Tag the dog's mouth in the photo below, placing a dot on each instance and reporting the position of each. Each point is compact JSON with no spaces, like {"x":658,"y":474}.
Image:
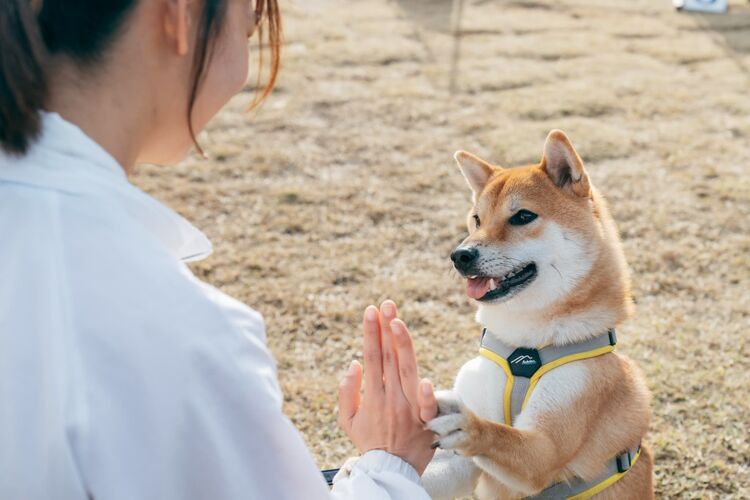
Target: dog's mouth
{"x":490,"y":288}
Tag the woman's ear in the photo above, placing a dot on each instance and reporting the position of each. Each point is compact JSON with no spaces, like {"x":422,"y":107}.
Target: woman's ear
{"x":176,"y":23}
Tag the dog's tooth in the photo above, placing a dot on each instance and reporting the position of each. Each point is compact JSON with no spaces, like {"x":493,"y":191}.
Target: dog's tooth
{"x":492,"y":284}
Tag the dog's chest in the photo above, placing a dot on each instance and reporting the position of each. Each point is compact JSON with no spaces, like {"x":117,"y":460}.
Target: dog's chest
{"x":481,"y":386}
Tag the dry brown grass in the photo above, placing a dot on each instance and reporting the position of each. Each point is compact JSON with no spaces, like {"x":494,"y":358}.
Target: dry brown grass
{"x":341,"y":191}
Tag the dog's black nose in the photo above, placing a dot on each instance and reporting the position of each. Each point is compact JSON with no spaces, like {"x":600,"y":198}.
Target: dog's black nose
{"x":464,"y":258}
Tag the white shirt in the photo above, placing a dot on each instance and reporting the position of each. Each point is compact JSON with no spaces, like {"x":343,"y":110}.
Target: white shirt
{"x":124,"y":377}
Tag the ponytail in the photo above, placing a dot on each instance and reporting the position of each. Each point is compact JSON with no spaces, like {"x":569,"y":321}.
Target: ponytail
{"x":23,"y":86}
{"x":32,"y":32}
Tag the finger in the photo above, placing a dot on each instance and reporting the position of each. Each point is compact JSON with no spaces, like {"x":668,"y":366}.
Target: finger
{"x":372,"y":354}
{"x":391,"y":378}
{"x":349,"y":395}
{"x":407,"y":361}
{"x":428,"y":406}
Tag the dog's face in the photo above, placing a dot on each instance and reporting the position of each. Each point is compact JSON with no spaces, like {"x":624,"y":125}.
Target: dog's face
{"x":532,"y":229}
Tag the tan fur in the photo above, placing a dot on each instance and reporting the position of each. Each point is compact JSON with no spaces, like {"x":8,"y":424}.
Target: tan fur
{"x":608,"y":281}
{"x":611,"y":415}
{"x":613,"y":412}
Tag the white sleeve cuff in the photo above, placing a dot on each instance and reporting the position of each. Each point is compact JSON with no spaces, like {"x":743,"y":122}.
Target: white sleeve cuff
{"x":375,"y":461}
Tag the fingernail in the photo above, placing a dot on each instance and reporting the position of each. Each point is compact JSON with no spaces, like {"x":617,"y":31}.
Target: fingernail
{"x":426,"y":387}
{"x":371,"y":314}
{"x":388,"y":308}
{"x":352,"y":368}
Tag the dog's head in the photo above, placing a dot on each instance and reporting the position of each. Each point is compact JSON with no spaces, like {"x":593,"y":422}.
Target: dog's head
{"x":534,"y":231}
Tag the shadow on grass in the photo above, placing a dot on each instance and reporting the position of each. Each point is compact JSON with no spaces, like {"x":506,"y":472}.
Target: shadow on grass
{"x":442,"y":16}
{"x":731,"y":31}
{"x":434,"y":15}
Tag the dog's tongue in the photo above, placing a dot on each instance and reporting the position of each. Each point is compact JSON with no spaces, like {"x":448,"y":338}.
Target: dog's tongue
{"x":476,"y":288}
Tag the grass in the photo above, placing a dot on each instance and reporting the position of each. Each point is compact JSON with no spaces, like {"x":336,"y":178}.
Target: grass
{"x":341,"y":191}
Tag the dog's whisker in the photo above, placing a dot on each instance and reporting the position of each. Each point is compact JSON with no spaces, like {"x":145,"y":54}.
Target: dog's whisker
{"x":558,"y":272}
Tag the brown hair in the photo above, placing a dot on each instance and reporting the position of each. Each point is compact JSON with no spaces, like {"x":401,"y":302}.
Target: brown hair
{"x":266,"y":12}
{"x":82,"y":30}
{"x":23,"y":86}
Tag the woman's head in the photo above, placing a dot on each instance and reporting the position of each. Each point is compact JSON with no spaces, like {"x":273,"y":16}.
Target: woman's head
{"x":188,"y":58}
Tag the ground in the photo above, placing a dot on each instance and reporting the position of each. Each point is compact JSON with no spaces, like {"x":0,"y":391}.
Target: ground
{"x":341,"y":191}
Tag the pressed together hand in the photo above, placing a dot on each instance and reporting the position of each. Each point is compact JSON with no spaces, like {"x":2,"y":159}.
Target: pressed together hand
{"x":391,"y":413}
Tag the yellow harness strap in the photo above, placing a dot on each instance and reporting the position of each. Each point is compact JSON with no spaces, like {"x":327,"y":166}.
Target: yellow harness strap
{"x":523,"y":368}
{"x":534,"y":379}
{"x":609,"y":481}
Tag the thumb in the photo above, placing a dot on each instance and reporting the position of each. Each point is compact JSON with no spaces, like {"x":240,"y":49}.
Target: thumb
{"x":428,"y":407}
{"x":349,"y":395}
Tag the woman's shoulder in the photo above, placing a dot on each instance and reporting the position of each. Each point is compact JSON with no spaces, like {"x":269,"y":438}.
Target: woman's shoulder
{"x":106,"y":264}
{"x":156,"y":320}
{"x":141,"y":294}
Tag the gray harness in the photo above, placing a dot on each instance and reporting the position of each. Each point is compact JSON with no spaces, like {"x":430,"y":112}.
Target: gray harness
{"x":523,"y":368}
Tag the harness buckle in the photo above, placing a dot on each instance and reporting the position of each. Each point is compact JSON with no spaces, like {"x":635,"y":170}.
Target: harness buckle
{"x":621,"y":466}
{"x":612,"y":337}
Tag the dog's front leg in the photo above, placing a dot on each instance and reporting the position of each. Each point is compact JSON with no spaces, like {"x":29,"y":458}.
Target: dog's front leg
{"x":450,"y":475}
{"x":523,"y":459}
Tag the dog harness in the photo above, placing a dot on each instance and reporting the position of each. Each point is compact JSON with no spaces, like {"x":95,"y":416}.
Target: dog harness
{"x":523,"y":368}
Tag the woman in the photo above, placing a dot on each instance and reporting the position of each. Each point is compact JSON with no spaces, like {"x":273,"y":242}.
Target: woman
{"x":122,"y":376}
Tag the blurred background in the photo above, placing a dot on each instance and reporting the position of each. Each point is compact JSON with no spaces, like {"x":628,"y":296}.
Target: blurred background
{"x":341,"y":191}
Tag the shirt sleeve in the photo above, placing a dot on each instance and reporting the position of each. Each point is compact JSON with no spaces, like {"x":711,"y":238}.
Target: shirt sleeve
{"x":378,"y":475}
{"x":190,"y":409}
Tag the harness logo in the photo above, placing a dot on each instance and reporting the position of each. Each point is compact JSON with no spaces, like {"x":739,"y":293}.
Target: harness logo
{"x":524,"y":362}
{"x":524,"y":359}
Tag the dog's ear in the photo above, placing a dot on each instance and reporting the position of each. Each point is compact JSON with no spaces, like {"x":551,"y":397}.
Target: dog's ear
{"x":563,"y":165}
{"x":476,"y":171}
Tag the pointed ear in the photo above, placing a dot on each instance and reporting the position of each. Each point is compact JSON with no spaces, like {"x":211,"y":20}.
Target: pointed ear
{"x":563,"y":165}
{"x":476,"y":171}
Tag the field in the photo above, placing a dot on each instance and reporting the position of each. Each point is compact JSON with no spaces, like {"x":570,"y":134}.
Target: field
{"x":341,"y":191}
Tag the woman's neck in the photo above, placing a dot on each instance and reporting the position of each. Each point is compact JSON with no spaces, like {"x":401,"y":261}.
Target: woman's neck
{"x":102,"y":106}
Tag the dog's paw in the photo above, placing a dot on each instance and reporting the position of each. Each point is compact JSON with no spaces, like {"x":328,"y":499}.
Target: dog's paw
{"x":450,"y":433}
{"x":448,"y":403}
{"x":346,"y":469}
{"x":451,"y":423}
{"x":456,"y":427}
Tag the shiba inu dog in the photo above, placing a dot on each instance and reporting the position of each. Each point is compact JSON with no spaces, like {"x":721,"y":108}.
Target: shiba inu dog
{"x":547,"y":410}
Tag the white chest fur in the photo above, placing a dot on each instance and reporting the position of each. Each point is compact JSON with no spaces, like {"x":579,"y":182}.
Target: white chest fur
{"x":480,"y":384}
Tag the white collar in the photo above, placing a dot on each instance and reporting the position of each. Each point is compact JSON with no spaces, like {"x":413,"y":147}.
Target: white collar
{"x":65,"y":159}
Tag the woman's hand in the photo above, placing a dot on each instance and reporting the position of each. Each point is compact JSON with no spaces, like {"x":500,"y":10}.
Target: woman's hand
{"x":391,"y":414}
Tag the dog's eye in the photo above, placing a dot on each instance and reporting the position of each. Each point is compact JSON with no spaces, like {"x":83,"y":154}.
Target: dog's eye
{"x":522,"y":217}
{"x":476,"y":220}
